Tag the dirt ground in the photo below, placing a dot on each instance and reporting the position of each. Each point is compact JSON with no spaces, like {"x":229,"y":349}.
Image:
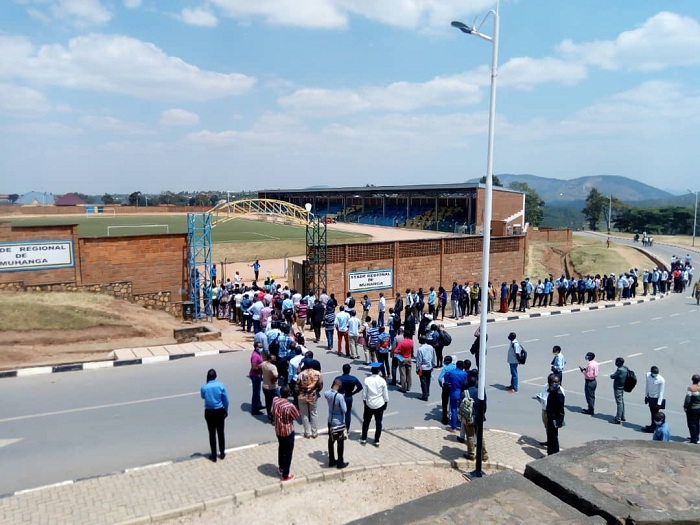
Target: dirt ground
{"x":335,"y":501}
{"x":137,"y":327}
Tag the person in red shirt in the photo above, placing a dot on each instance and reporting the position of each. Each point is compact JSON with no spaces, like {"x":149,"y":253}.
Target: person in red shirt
{"x":285,"y":414}
{"x":403,"y":351}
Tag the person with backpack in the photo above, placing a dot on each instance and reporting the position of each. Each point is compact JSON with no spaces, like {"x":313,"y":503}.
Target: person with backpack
{"x":513,"y":358}
{"x":469,"y":430}
{"x":619,"y":377}
{"x":457,"y":381}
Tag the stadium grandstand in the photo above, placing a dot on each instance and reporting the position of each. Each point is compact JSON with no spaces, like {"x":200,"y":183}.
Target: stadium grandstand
{"x":455,"y":208}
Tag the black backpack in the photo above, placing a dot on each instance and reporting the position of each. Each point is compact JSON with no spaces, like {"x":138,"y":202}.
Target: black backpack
{"x":445,"y":338}
{"x":630,"y":381}
{"x":522,"y":356}
{"x":351,"y":303}
{"x":274,"y":346}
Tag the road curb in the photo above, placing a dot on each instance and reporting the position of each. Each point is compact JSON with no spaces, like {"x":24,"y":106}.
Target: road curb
{"x":94,"y":365}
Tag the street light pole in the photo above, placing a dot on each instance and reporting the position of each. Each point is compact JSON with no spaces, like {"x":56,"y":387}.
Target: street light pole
{"x":695,"y":216}
{"x":609,"y":213}
{"x":486,"y":251}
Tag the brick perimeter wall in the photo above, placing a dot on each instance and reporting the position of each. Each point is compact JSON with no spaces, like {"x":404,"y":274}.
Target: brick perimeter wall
{"x":79,"y":210}
{"x":426,"y":263}
{"x":149,"y":270}
{"x":544,"y":235}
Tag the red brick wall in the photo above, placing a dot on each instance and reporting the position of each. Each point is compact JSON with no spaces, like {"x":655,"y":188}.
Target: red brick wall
{"x":504,"y":204}
{"x":426,"y":263}
{"x":152,"y":263}
{"x":79,"y":210}
{"x":546,"y":235}
{"x":41,"y":233}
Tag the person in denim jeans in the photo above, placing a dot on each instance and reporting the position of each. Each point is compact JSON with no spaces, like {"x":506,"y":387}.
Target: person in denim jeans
{"x":513,"y":353}
{"x":329,"y":326}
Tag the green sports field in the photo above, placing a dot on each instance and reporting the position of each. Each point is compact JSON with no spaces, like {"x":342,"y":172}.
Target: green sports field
{"x":234,"y":230}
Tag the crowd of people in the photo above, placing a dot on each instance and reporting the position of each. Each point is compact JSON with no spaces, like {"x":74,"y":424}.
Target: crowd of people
{"x":403,"y":339}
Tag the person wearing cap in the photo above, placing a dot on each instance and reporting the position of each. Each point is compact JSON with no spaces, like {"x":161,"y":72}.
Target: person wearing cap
{"x":215,"y":412}
{"x":376,"y":398}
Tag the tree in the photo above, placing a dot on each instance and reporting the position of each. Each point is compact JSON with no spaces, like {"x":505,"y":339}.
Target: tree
{"x":596,"y":202}
{"x":13,"y":197}
{"x":534,"y":205}
{"x":108,"y":199}
{"x":494,"y":180}
{"x":134,"y":198}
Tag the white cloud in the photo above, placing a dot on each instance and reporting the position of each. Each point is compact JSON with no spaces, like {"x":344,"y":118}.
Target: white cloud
{"x":116,"y":64}
{"x":79,"y":13}
{"x":132,"y":4}
{"x":115,"y":125}
{"x":664,"y":40}
{"x":526,"y":72}
{"x":334,"y":14}
{"x":22,"y":101}
{"x":178,"y":117}
{"x":198,"y":17}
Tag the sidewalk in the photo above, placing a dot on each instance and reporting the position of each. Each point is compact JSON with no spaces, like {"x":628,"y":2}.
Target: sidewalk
{"x":157,"y":492}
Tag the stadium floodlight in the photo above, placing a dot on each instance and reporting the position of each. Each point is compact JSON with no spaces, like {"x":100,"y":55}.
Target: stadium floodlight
{"x":488,"y":198}
{"x":308,"y":207}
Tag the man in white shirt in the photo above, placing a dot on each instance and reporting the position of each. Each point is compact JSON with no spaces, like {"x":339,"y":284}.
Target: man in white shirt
{"x":382,"y":309}
{"x":354,"y":334}
{"x":376,"y":397}
{"x":654,"y":395}
{"x":341,"y":325}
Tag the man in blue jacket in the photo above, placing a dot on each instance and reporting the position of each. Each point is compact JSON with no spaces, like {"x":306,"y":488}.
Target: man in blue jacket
{"x":215,"y":412}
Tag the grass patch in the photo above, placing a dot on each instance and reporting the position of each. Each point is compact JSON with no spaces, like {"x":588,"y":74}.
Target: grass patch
{"x":592,"y":260}
{"x":534,"y":268}
{"x":29,"y":311}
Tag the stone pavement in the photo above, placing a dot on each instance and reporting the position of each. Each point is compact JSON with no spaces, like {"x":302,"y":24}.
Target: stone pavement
{"x":156,"y":492}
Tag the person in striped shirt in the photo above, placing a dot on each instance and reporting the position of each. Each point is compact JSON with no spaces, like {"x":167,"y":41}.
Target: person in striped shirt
{"x":285,"y":414}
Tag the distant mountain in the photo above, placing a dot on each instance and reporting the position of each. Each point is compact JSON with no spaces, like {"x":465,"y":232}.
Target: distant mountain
{"x":563,"y":192}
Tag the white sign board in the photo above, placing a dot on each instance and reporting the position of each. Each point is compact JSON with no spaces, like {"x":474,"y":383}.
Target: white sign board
{"x":371,"y":280}
{"x":36,"y":255}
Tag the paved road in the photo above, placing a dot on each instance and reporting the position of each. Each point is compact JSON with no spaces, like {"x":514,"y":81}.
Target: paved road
{"x":72,"y":425}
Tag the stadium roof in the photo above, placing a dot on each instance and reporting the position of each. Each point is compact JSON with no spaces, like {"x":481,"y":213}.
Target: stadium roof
{"x":419,"y":189}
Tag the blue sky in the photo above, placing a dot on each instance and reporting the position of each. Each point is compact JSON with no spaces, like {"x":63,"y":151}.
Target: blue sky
{"x":123,"y":95}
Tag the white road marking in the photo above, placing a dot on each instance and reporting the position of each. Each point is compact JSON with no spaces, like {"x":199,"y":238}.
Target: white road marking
{"x":60,"y":484}
{"x":533,"y":379}
{"x":6,"y":442}
{"x":635,"y":355}
{"x":244,"y":447}
{"x":683,"y":342}
{"x":674,"y":315}
{"x":614,"y":326}
{"x":635,"y":322}
{"x":497,"y":346}
{"x":96,"y":407}
{"x":586,"y":331}
{"x":655,"y":318}
{"x":23,"y":372}
{"x":562,"y":335}
{"x":146,"y":467}
{"x":605,"y":362}
{"x":530,"y":340}
{"x":390,"y":414}
{"x":660,"y":348}
{"x":331,"y":372}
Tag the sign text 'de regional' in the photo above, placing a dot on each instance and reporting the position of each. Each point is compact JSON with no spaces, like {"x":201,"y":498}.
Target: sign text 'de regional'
{"x":36,"y":255}
{"x":371,"y":280}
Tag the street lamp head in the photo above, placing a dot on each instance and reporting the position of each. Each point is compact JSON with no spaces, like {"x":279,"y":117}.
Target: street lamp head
{"x":464,"y":28}
{"x":308,"y":207}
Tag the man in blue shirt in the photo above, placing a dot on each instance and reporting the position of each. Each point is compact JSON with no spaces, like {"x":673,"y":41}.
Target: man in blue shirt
{"x":457,"y":379}
{"x":449,"y":366}
{"x":351,"y":386}
{"x":215,"y":412}
{"x":662,"y":432}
